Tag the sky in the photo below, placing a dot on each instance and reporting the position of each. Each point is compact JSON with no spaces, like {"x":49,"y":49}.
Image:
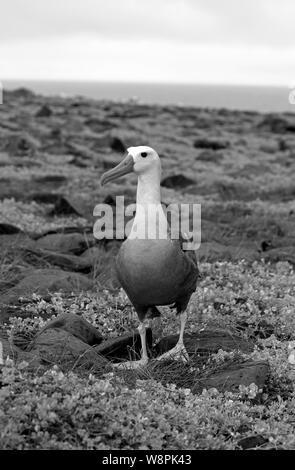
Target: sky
{"x":179,"y":41}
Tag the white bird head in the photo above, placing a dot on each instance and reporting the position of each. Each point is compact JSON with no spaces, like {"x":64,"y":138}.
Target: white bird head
{"x":145,"y":159}
{"x":140,"y":160}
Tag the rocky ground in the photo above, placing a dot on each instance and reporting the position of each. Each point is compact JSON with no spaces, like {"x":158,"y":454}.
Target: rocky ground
{"x":63,"y":315}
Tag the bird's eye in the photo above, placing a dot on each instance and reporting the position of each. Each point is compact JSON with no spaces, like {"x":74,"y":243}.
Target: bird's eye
{"x":143,"y":154}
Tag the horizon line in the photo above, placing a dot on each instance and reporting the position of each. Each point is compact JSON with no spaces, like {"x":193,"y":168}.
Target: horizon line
{"x":134,"y":82}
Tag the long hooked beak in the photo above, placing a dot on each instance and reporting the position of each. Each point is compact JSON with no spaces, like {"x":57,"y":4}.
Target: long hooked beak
{"x":124,"y":167}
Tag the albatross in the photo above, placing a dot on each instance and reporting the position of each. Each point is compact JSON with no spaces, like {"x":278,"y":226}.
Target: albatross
{"x":152,"y":268}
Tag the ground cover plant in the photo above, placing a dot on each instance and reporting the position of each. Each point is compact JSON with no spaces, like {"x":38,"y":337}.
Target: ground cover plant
{"x":240,"y":170}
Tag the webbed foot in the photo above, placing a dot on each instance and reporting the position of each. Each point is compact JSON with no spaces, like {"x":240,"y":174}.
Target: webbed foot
{"x":129,"y":365}
{"x":178,"y":353}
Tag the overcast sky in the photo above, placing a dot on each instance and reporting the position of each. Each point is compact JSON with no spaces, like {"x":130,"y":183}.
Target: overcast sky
{"x":196,"y":41}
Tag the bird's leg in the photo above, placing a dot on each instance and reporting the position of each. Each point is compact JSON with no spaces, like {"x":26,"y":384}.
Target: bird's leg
{"x":142,"y":331}
{"x":179,"y":351}
{"x":144,"y":355}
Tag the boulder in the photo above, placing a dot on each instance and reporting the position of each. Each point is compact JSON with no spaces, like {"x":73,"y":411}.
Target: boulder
{"x":110,"y":200}
{"x":117,"y":145}
{"x":234,"y":375}
{"x":86,"y":230}
{"x":67,"y":205}
{"x":177,"y":181}
{"x":45,"y":281}
{"x":77,"y":326}
{"x":44,"y":111}
{"x":266,"y":245}
{"x":201,"y":345}
{"x":56,"y":346}
{"x":212,"y":144}
{"x":283,"y":253}
{"x":8,"y":229}
{"x":63,"y":205}
{"x":74,"y":243}
{"x":64,"y":260}
{"x":56,"y":180}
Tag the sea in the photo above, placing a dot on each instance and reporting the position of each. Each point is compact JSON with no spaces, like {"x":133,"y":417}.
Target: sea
{"x":249,"y":98}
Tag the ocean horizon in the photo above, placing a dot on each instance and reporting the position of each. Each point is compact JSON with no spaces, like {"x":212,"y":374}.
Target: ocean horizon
{"x":234,"y":97}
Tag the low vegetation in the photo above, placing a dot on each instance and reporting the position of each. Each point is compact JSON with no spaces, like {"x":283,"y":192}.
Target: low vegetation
{"x":239,"y":166}
{"x":69,"y":409}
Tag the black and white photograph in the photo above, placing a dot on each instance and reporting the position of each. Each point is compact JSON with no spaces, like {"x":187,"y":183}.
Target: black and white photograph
{"x":147,"y":229}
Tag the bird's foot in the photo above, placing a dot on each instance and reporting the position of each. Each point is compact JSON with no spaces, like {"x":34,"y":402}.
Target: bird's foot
{"x":131,"y":364}
{"x":178,"y":353}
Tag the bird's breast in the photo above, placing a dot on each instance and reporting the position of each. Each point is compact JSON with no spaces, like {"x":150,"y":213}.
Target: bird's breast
{"x":150,"y":271}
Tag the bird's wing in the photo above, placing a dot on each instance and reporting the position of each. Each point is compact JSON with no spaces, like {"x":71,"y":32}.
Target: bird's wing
{"x":191,"y":259}
{"x":189,"y":255}
{"x":190,"y":275}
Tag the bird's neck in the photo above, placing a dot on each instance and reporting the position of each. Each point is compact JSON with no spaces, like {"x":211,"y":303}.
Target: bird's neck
{"x":150,"y":221}
{"x":148,"y":188}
